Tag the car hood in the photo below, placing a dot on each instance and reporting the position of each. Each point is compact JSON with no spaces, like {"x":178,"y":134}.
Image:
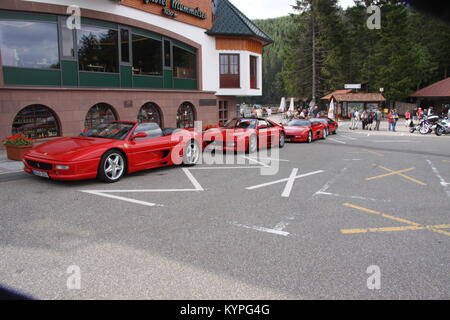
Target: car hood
{"x":291,"y":129}
{"x":69,"y":149}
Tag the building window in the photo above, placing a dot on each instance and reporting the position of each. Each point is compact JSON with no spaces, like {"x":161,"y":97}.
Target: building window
{"x":229,"y":71}
{"x":98,"y":114}
{"x":67,"y":40}
{"x":223,"y":112}
{"x":186,"y":116}
{"x":29,"y":44}
{"x":36,"y":121}
{"x":150,"y":113}
{"x":98,"y":49}
{"x":125,"y":45}
{"x":253,"y":72}
{"x":183,"y":63}
{"x":167,"y":54}
{"x":147,"y":56}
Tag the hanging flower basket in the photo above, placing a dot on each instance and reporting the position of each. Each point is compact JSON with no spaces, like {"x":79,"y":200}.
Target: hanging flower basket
{"x":17,"y":145}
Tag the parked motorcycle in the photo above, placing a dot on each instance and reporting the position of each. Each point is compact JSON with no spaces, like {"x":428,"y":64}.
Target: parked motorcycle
{"x":425,"y":125}
{"x":442,"y":127}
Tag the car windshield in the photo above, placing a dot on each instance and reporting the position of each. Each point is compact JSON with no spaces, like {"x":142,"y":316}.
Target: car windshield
{"x":299,"y":123}
{"x":241,"y":123}
{"x":109,"y":130}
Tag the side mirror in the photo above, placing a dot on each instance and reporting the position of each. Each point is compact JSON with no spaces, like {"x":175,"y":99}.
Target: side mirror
{"x":139,"y":135}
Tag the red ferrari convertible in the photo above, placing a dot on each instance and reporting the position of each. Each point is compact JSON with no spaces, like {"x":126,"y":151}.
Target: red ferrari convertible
{"x":304,"y":130}
{"x":112,"y":149}
{"x":245,"y":134}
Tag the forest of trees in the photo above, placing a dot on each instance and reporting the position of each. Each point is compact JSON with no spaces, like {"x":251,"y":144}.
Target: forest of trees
{"x":322,"y":41}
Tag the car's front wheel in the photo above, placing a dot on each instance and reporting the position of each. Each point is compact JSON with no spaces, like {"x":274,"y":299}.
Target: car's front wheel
{"x":310,"y":137}
{"x":252,"y":144}
{"x":282,"y":140}
{"x":191,"y":154}
{"x":112,"y":166}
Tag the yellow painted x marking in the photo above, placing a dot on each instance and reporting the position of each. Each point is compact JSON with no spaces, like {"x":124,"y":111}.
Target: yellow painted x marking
{"x":399,"y":173}
{"x":411,"y":226}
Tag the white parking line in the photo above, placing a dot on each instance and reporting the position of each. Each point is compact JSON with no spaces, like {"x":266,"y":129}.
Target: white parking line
{"x":194,"y":181}
{"x":11,"y":172}
{"x":283,"y":180}
{"x":255,"y":161}
{"x":331,"y":182}
{"x":106,"y":195}
{"x":262,"y":229}
{"x":351,"y":197}
{"x":336,"y":140}
{"x":347,"y":137}
{"x":290,"y":183}
{"x":444,"y":184}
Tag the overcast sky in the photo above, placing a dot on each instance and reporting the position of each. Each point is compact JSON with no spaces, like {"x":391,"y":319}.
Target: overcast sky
{"x":262,"y":9}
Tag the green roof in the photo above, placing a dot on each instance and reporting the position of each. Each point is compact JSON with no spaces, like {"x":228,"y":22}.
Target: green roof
{"x":229,"y":21}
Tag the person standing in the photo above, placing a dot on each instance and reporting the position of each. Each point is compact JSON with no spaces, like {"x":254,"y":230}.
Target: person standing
{"x":352,"y":119}
{"x":430,"y":111}
{"x":364,"y":118}
{"x":269,"y":112}
{"x":448,"y":113}
{"x":391,"y":120}
{"x":419,"y":113}
{"x":370,"y":117}
{"x":378,"y":117}
{"x":395,"y":118}
{"x":407,"y":118}
{"x":357,"y":119}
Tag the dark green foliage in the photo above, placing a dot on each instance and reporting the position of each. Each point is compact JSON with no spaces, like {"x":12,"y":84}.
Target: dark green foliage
{"x":412,"y":50}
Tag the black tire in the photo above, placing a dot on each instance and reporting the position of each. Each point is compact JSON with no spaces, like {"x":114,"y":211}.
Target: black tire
{"x":310,"y":137}
{"x":324,"y":134}
{"x":252,"y":144}
{"x":191,"y":154}
{"x":282,"y":140}
{"x":113,"y":166}
{"x":411,"y":130}
{"x":439,"y":131}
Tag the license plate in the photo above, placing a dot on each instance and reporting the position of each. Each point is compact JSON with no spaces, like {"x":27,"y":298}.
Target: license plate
{"x":41,"y":174}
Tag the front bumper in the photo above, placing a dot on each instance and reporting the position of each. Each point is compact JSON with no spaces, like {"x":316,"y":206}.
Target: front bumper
{"x":77,"y":170}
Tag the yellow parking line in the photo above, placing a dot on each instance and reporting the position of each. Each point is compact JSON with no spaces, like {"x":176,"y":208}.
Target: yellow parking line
{"x":394,"y":229}
{"x":411,"y":225}
{"x":446,"y":161}
{"x":387,"y":216}
{"x":399,"y":173}
{"x":389,"y":174}
{"x":376,"y":153}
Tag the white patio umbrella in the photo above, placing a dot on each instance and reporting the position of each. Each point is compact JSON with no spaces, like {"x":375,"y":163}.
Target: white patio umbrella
{"x":291,"y":107}
{"x":282,"y":107}
{"x":331,"y":109}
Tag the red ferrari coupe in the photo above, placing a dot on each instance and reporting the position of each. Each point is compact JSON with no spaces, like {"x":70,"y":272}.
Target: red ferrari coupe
{"x":112,"y":149}
{"x":332,"y":125}
{"x":304,"y":130}
{"x":245,"y":134}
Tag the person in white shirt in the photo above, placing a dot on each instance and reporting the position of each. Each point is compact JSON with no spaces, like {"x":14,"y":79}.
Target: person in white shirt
{"x":269,"y":112}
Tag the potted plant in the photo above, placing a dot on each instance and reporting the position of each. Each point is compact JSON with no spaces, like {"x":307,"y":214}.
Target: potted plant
{"x":17,"y":145}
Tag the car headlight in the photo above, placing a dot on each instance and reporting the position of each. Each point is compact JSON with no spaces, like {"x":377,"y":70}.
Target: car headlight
{"x":61,"y":167}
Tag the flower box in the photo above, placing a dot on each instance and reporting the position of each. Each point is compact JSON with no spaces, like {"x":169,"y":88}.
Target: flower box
{"x":17,"y":145}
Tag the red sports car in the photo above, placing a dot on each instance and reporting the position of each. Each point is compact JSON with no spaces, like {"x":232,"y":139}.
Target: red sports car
{"x":246,"y":134}
{"x":112,"y":149}
{"x":332,"y":125}
{"x":304,"y":130}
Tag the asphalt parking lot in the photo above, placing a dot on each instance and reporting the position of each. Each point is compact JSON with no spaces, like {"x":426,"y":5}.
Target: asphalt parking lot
{"x":311,"y":231}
